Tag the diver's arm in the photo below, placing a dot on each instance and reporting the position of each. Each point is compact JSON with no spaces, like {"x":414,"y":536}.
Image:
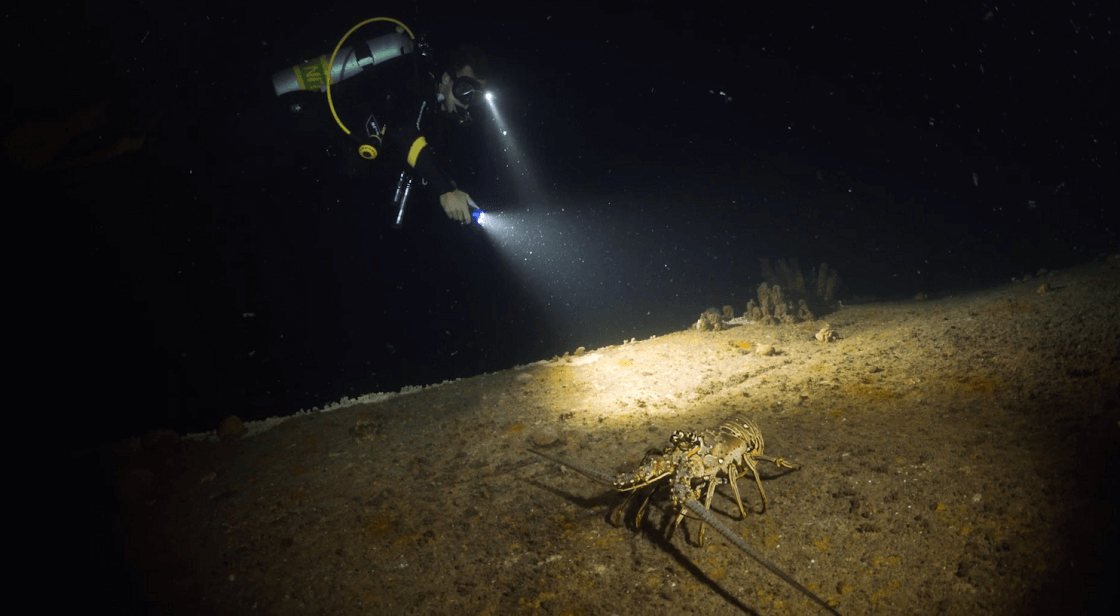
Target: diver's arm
{"x":422,"y":160}
{"x":455,"y":203}
{"x":410,"y":142}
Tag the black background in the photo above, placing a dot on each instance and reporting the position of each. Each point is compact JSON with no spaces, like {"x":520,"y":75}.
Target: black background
{"x":660,"y":152}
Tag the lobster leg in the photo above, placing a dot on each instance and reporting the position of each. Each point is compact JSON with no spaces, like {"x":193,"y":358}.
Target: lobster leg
{"x":733,"y":479}
{"x":620,"y":511}
{"x":707,"y":505}
{"x":779,"y":462}
{"x":754,"y":471}
{"x":642,"y":509}
{"x":673,"y":526}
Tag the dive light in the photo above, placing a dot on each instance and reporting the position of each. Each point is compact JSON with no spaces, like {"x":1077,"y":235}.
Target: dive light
{"x":400,"y":199}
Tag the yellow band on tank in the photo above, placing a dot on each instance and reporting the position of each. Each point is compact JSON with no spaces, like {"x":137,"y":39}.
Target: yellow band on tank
{"x":312,"y":75}
{"x":414,"y":151}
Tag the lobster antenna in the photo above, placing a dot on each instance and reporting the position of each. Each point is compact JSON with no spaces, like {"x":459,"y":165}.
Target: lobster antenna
{"x":707,"y":516}
{"x":595,"y":474}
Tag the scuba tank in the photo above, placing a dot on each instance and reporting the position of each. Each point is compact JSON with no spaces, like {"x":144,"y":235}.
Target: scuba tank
{"x":349,"y":61}
{"x":346,"y":62}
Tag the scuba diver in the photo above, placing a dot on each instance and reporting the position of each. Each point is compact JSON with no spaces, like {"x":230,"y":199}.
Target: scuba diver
{"x":404,"y":110}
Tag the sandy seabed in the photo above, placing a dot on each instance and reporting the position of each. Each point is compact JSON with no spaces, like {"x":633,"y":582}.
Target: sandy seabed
{"x":958,"y":456}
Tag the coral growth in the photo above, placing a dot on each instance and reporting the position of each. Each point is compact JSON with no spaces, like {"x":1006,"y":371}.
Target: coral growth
{"x":786,"y":286}
{"x":828,"y":281}
{"x":772,"y":307}
{"x":712,"y":320}
{"x":788,"y":275}
{"x":786,"y":297}
{"x":803,"y":312}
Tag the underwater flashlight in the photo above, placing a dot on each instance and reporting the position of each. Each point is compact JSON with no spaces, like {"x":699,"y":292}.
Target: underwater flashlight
{"x":477,"y":215}
{"x":404,"y":188}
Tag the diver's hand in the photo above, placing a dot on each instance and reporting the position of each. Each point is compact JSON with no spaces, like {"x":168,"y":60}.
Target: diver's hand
{"x":457,"y":204}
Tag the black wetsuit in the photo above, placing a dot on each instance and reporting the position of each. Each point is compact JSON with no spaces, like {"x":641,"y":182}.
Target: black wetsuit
{"x":402,"y":96}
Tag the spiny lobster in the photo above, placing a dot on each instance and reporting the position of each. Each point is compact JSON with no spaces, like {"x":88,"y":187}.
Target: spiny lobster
{"x":695,"y":463}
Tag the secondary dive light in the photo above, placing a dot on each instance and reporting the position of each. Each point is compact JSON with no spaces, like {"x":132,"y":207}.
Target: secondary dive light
{"x":400,"y":199}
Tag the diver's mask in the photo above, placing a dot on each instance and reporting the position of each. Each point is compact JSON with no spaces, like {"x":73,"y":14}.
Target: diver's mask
{"x":465,"y":90}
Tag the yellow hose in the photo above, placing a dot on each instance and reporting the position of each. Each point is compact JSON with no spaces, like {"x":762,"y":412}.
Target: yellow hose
{"x":330,"y":65}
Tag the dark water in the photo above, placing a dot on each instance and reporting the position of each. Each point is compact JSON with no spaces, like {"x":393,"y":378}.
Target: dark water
{"x":244,"y":262}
